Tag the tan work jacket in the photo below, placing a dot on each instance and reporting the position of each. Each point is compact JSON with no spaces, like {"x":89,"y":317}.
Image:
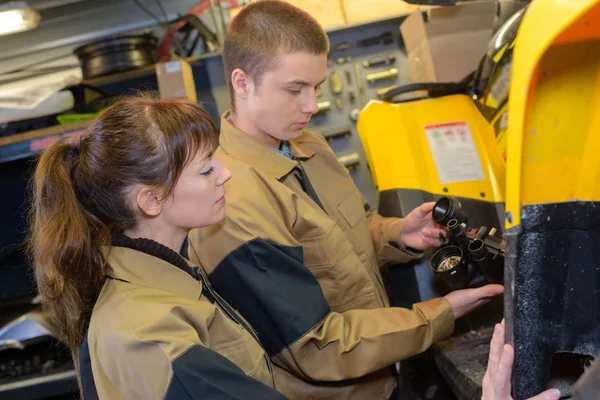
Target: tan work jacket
{"x":157,"y":333}
{"x":298,"y":255}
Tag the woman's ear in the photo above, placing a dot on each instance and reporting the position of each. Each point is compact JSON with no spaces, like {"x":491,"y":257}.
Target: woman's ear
{"x":149,"y":201}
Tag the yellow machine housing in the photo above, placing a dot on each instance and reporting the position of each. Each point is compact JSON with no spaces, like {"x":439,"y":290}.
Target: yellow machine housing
{"x":396,"y":140}
{"x":554,"y":125}
{"x":552,"y":291}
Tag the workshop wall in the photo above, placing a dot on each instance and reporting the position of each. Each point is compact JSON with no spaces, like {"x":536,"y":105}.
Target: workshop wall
{"x":66,"y":24}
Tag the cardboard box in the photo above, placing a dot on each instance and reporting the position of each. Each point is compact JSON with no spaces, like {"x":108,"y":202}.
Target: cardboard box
{"x":176,"y":80}
{"x":451,"y":44}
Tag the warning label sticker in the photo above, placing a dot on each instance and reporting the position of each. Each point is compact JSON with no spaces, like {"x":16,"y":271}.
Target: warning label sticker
{"x":454,"y":152}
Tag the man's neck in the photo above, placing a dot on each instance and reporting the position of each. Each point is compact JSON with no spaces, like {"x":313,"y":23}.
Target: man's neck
{"x":249,"y":128}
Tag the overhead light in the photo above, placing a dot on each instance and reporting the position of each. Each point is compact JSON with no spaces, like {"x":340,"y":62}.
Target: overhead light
{"x":17,"y":16}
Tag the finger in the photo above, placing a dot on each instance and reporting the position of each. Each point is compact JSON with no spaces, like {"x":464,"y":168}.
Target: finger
{"x":503,"y":373}
{"x":426,"y":208}
{"x":487,"y":291}
{"x":479,"y":303}
{"x":552,"y":394}
{"x":432,"y":242}
{"x":434,"y":233}
{"x":495,"y":350}
{"x":487,"y":389}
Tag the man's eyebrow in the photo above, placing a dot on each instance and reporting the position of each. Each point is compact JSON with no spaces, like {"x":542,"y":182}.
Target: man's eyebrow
{"x":304,"y":83}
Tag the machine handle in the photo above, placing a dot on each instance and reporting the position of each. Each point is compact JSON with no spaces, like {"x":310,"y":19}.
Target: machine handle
{"x":433,"y":89}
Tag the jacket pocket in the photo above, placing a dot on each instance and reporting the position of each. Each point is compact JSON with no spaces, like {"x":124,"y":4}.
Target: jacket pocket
{"x":351,"y":210}
{"x":237,"y":345}
{"x":343,"y":280}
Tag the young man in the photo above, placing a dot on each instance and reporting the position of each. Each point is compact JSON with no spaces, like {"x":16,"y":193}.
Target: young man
{"x":299,"y":252}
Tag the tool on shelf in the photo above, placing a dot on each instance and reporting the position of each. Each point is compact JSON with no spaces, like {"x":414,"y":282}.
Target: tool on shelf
{"x":350,"y":161}
{"x":360,"y":84}
{"x":388,"y":75}
{"x":336,"y":133}
{"x":335,"y":82}
{"x":323,"y":107}
{"x":379,"y":60}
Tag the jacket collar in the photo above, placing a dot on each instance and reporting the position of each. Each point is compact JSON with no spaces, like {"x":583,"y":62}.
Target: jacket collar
{"x":244,"y":147}
{"x":147,"y":263}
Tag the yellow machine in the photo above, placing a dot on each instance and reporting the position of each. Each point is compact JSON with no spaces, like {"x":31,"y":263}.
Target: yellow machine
{"x":529,"y":166}
{"x":552,"y":301}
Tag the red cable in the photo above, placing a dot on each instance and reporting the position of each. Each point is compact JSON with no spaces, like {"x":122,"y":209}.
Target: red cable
{"x":164,"y":52}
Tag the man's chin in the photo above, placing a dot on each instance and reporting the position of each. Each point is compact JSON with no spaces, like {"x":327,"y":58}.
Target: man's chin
{"x":288,"y":134}
{"x":295,"y":133}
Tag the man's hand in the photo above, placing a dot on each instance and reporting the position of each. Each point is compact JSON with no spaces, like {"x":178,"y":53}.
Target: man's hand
{"x":418,"y":230}
{"x":496,"y":381}
{"x":466,"y":300}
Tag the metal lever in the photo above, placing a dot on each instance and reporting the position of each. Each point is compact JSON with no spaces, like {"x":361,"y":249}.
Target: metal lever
{"x":375,"y":61}
{"x":350,"y":161}
{"x":381,"y":92}
{"x":323,"y":106}
{"x":336,"y":133}
{"x":335,"y":81}
{"x":360,"y":85}
{"x":390,"y":74}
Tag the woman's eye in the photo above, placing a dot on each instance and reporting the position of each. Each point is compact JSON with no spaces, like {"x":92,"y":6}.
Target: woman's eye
{"x":208,"y":172}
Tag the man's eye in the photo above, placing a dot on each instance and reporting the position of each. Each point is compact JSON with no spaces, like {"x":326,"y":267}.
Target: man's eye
{"x":294,"y":91}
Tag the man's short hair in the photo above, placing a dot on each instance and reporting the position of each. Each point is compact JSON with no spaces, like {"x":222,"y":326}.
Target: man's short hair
{"x":265,"y":29}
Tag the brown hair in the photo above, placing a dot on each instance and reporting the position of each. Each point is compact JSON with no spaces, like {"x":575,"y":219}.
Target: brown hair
{"x":262,"y":31}
{"x":80,"y":197}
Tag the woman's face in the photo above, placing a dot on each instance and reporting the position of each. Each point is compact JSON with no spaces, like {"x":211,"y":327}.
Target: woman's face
{"x":198,"y":198}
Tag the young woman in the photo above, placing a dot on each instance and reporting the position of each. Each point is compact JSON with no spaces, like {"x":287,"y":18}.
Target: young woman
{"x":111,"y":210}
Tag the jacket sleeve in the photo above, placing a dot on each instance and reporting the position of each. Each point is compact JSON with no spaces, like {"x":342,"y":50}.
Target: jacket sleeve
{"x":258,"y":268}
{"x":283,"y":301}
{"x":385,"y":232}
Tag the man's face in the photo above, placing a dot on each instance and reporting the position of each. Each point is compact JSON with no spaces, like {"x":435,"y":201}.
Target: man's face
{"x":281,"y":106}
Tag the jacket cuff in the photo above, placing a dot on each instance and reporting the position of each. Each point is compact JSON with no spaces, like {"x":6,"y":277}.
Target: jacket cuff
{"x":393,"y":247}
{"x":439,"y":312}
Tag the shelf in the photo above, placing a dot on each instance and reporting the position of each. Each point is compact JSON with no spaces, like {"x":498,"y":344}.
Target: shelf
{"x":140,"y":72}
{"x":44,"y":386}
{"x":30,"y":143}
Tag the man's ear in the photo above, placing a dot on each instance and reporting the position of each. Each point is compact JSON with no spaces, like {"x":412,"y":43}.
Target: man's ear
{"x":149,"y":201}
{"x":241,"y":83}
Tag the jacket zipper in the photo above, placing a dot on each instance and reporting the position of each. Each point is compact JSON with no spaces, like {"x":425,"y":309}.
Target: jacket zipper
{"x":229,"y":311}
{"x":307,"y":187}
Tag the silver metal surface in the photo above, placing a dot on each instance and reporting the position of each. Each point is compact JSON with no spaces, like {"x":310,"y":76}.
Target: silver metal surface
{"x":37,"y":381}
{"x":29,"y":326}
